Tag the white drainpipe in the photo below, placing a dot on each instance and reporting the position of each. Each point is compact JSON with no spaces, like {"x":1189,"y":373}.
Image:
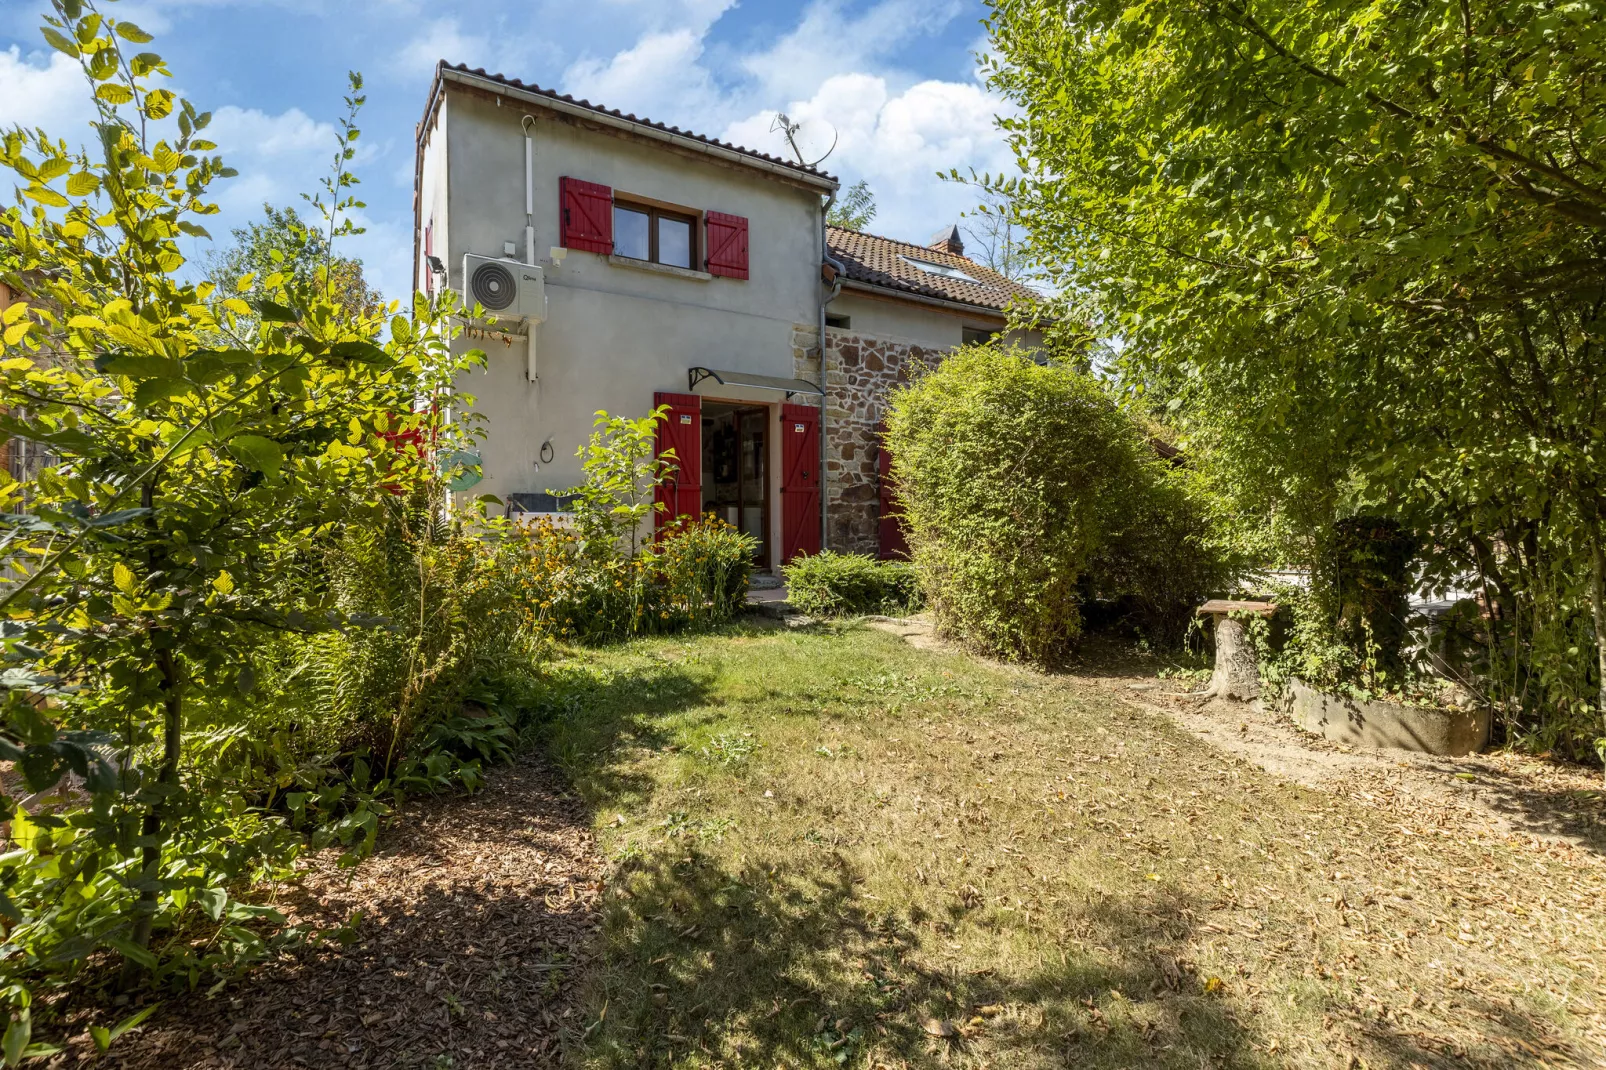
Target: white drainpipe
{"x":529,"y":192}
{"x":529,"y":237}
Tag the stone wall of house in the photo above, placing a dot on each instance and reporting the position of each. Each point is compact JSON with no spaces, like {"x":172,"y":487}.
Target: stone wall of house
{"x":860,"y":370}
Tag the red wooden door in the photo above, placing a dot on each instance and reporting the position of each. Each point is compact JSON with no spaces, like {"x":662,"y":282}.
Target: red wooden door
{"x":682,"y":432}
{"x":800,"y":481}
{"x":893,"y":543}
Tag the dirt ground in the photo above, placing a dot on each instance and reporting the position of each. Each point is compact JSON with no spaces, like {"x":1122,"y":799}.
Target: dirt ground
{"x":478,"y":916}
{"x":1500,"y":794}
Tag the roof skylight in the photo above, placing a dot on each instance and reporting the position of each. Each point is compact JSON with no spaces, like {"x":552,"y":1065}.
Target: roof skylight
{"x":937,"y":269}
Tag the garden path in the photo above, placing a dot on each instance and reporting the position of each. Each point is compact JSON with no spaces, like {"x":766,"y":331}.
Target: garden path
{"x":1501,"y":793}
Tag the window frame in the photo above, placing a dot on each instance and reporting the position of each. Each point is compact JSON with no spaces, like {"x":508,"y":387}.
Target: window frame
{"x":655,"y":211}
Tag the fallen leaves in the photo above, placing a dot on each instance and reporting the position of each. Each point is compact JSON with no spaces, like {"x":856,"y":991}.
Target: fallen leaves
{"x":477,"y":907}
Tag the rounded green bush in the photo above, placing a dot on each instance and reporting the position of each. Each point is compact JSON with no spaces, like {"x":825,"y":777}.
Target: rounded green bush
{"x":830,"y":584}
{"x":1008,"y":472}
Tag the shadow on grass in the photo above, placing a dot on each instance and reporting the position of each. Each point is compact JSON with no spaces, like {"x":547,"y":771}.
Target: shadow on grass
{"x":477,"y":920}
{"x":795,"y":967}
{"x":1574,"y":815}
{"x":590,"y":716}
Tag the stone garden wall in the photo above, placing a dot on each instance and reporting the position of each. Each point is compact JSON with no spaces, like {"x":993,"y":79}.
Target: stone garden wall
{"x":860,"y":370}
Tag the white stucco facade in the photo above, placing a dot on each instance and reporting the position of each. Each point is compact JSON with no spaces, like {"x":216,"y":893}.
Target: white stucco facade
{"x":616,"y":330}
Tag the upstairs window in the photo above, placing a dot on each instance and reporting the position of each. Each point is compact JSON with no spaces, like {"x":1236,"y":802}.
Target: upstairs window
{"x":976,"y":336}
{"x":656,"y":235}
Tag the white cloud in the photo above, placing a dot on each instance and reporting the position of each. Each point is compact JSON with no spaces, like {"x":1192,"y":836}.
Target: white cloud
{"x":661,"y":75}
{"x":898,"y":141}
{"x":50,"y":93}
{"x":442,"y":39}
{"x":278,"y":156}
{"x":938,"y":125}
{"x":827,"y":42}
{"x":658,"y":15}
{"x":287,"y":135}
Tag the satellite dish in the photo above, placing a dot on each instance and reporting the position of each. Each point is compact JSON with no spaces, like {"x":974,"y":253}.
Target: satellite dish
{"x":809,"y":141}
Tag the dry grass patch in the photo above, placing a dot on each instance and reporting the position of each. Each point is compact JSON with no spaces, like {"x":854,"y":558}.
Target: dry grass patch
{"x":831,"y":849}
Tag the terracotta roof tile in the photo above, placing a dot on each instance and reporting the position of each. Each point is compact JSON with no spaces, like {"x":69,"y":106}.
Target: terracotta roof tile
{"x":527,"y":87}
{"x":885,"y":262}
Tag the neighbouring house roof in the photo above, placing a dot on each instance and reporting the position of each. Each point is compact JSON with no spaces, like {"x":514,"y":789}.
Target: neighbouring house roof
{"x":903,"y":267}
{"x":461,"y":72}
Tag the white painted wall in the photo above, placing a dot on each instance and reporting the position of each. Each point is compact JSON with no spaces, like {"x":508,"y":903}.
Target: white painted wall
{"x":892,"y":319}
{"x":433,"y":181}
{"x":615,"y":333}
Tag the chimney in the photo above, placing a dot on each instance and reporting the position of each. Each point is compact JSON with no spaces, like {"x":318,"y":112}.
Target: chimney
{"x":948,"y":241}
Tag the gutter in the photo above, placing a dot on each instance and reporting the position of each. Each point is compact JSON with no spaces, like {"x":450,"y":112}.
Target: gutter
{"x":602,"y":118}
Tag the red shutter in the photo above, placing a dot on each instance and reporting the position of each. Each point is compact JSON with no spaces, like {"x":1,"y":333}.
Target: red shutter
{"x":587,"y":216}
{"x":727,"y":245}
{"x":683,"y":433}
{"x":890,"y":533}
{"x":800,"y":481}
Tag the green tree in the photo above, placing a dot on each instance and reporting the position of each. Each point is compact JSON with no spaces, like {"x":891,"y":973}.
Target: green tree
{"x":282,"y":244}
{"x":624,"y":471}
{"x":208,"y":450}
{"x":855,"y":209}
{"x":995,"y":237}
{"x":1358,"y":248}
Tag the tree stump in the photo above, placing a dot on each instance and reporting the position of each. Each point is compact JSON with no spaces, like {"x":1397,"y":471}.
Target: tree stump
{"x":1237,"y":671}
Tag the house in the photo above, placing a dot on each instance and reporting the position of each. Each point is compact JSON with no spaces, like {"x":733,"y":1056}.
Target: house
{"x":639,"y":265}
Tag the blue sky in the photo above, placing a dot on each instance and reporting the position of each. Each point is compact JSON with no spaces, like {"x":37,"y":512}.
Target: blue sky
{"x":894,"y":78}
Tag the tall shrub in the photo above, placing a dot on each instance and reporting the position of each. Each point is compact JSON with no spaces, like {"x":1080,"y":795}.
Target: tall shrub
{"x":1166,"y":548}
{"x":1006,"y":470}
{"x":1355,"y":249}
{"x":1364,"y":577}
{"x":207,"y":454}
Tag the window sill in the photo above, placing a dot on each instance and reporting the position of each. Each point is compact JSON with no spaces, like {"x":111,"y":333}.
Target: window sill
{"x":662,"y":269}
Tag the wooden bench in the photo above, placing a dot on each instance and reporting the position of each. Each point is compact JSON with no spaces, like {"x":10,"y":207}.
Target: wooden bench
{"x":1237,"y":671}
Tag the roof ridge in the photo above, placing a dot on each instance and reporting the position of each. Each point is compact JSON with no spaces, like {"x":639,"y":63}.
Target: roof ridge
{"x":553,"y":94}
{"x":894,"y":264}
{"x":1008,"y":283}
{"x":900,"y":241}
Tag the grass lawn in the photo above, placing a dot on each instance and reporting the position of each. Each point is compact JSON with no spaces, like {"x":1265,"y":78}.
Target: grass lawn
{"x":830,"y":847}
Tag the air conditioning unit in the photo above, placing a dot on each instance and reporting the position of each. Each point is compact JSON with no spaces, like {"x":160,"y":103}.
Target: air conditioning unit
{"x":506,"y":289}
